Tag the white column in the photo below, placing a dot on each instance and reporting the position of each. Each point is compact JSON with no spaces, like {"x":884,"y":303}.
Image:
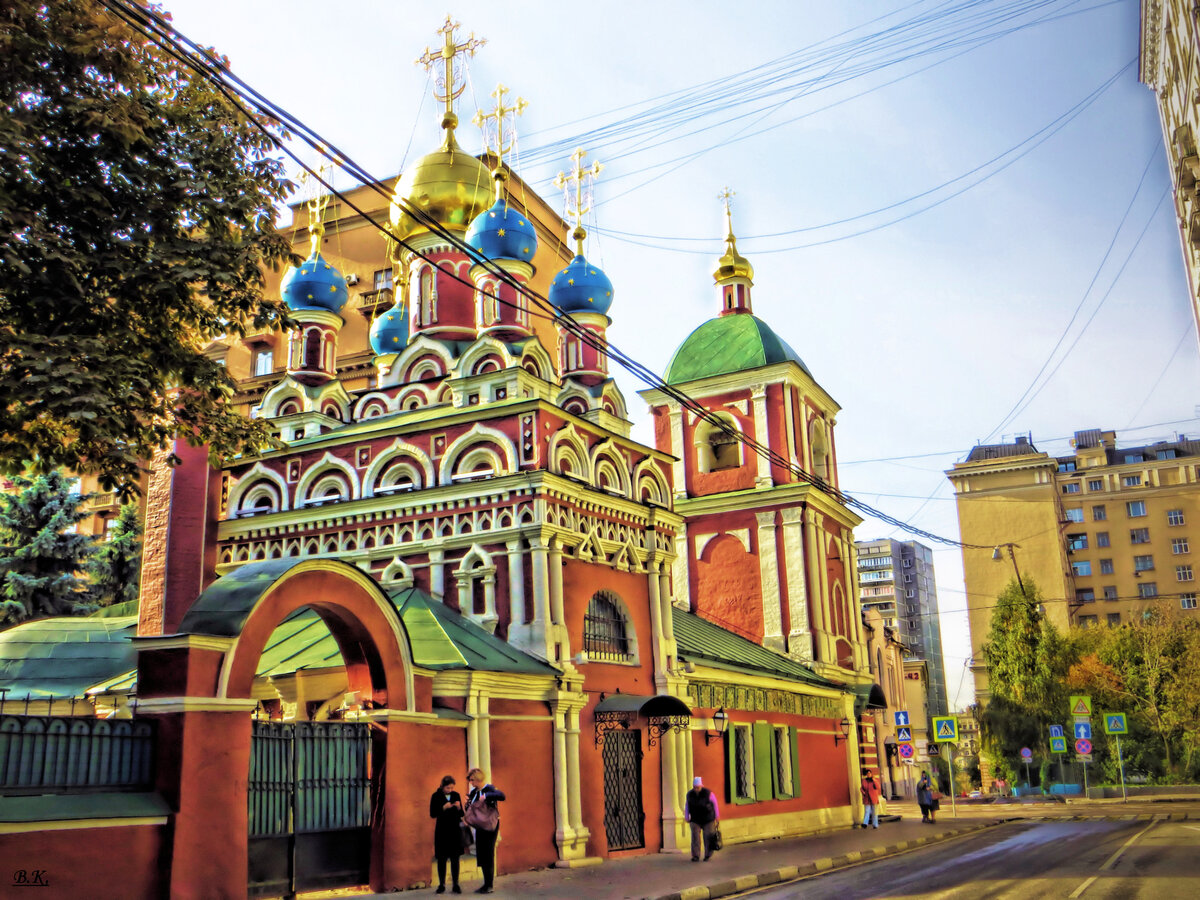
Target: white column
{"x":516,"y":585}
{"x":656,"y":620}
{"x":850,"y":555}
{"x":758,"y":396}
{"x":437,"y":575}
{"x":540,"y":629}
{"x":789,"y":422}
{"x":768,"y":568}
{"x":678,"y":468}
{"x":816,"y":578}
{"x":564,"y":833}
{"x":671,"y":792}
{"x":472,"y":710}
{"x":671,"y":650}
{"x":485,"y":736}
{"x":800,"y":629}
{"x":574,"y":797}
{"x":829,"y":655}
{"x":683,"y":581}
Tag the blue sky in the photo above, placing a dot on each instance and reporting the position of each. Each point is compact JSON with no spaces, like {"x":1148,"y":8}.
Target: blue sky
{"x":927,"y":330}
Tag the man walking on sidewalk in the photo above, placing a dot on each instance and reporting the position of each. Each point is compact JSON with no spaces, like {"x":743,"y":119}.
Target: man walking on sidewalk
{"x":702,"y":813}
{"x":870,"y":795}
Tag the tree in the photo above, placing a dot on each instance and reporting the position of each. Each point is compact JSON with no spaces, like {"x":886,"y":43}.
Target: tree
{"x":137,"y":211}
{"x":41,"y":554}
{"x":1027,"y":662}
{"x":116,"y":564}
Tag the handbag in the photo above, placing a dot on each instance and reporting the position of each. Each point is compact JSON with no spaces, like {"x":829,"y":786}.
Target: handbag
{"x":717,"y":842}
{"x":480,"y":815}
{"x":468,"y":838}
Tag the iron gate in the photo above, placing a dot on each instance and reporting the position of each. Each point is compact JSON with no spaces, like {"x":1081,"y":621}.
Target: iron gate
{"x":623,"y":814}
{"x":310,"y":806}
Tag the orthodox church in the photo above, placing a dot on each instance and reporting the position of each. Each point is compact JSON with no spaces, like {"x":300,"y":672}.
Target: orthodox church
{"x":458,"y":556}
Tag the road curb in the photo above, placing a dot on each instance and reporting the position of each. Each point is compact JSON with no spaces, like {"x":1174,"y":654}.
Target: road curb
{"x":730,"y":886}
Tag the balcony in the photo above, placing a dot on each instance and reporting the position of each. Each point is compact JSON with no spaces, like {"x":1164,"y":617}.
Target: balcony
{"x":99,"y":503}
{"x":369,"y":303}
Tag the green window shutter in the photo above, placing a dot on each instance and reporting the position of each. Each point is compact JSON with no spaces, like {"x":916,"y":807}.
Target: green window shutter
{"x":794,"y":745}
{"x":764,"y":771}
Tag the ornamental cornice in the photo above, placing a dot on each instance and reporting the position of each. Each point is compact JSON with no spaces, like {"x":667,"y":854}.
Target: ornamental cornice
{"x":495,"y":685}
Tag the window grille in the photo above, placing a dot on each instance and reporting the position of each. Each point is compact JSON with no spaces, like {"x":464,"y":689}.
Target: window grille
{"x":605,"y":634}
{"x":783,"y":762}
{"x":743,"y":762}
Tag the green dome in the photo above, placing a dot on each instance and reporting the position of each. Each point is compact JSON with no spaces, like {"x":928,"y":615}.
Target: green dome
{"x":729,"y":344}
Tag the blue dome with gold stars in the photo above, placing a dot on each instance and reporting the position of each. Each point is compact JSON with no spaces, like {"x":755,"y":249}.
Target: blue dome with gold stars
{"x":314,"y":285}
{"x":503,"y":233}
{"x":389,"y":331}
{"x":581,"y":287}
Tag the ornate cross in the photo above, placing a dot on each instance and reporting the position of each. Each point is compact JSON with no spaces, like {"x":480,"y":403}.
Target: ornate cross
{"x":318,"y":198}
{"x":579,"y":205}
{"x":449,"y":51}
{"x":726,"y":197}
{"x":499,"y":115}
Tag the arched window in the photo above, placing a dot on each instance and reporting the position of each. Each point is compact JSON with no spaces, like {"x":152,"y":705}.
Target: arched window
{"x":606,"y":632}
{"x":718,"y":446}
{"x":312,"y":349}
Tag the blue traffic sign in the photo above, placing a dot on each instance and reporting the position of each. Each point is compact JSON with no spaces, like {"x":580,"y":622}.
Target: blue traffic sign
{"x":1083,"y":731}
{"x":1058,"y":745}
{"x":906,"y":751}
{"x":1026,"y":754}
{"x":901,"y":717}
{"x":1114,"y":723}
{"x":1056,"y":731}
{"x":904,"y":734}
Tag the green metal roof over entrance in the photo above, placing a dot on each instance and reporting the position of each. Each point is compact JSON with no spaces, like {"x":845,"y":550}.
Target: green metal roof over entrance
{"x":63,"y":657}
{"x":728,"y":344}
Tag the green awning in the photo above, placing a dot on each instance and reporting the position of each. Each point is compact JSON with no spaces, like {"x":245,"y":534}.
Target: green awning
{"x":641,"y":704}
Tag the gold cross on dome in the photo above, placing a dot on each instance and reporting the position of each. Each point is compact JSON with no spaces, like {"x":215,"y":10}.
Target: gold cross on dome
{"x":317,"y":196}
{"x":726,"y":197}
{"x":450,"y":81}
{"x":579,"y":181}
{"x":499,"y":115}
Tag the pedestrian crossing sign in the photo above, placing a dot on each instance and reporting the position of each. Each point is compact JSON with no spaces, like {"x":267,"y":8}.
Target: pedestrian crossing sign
{"x":1058,"y":745}
{"x":1114,"y":723}
{"x":1081,"y":705}
{"x":945,"y":728}
{"x":904,"y":734}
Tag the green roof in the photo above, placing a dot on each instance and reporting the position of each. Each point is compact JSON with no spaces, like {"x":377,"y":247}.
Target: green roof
{"x":63,"y":657}
{"x":700,"y":640}
{"x":726,"y":344}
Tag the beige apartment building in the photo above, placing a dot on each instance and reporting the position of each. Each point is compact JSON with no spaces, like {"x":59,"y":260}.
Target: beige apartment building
{"x":1105,"y":532}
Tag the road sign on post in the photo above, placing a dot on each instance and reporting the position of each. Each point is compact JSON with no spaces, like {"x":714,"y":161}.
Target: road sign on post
{"x":1026,"y":754}
{"x":1083,"y":730}
{"x":1081,"y":705}
{"x":945,"y":728}
{"x":1058,"y":745}
{"x":1083,"y":747}
{"x":903,"y":734}
{"x":901,"y":718}
{"x":1056,"y":731}
{"x":906,"y":751}
{"x":1114,"y":723}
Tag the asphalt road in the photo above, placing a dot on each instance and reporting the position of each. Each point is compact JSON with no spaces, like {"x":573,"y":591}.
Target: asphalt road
{"x":1096,"y":860}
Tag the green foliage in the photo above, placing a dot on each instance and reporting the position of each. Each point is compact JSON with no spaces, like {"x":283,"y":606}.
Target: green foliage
{"x":1027,"y":663}
{"x":136,"y":219}
{"x":116,"y":564}
{"x":40,"y":553}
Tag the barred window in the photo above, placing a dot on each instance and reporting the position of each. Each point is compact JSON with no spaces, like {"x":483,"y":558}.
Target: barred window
{"x":605,"y":630}
{"x":743,"y":762}
{"x":783,"y":763}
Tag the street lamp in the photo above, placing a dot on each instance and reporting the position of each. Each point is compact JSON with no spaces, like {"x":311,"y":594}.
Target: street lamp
{"x":997,"y":555}
{"x":845,"y":735}
{"x":720,"y":721}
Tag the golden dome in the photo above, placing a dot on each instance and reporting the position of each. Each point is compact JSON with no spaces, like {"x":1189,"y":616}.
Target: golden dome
{"x":449,"y":184}
{"x":733,"y":264}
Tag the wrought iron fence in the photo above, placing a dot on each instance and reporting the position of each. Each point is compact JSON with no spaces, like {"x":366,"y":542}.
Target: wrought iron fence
{"x":74,"y":754}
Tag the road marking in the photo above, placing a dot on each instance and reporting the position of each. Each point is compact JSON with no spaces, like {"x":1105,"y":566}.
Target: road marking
{"x":1193,"y":827}
{"x":1110,"y":862}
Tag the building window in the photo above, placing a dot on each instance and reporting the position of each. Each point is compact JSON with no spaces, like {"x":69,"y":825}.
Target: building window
{"x":1074,"y":515}
{"x":382,"y":279}
{"x":783,"y":764}
{"x":1143,"y":563}
{"x":1187,"y":601}
{"x":1085,"y":595}
{"x":1184,"y":573}
{"x":1082,"y":568}
{"x":1139,"y":535}
{"x":908,"y":563}
{"x":1096,"y":484}
{"x":1148,"y":589}
{"x":1110,"y":592}
{"x":605,"y":634}
{"x":1106,"y":567}
{"x":1101,"y":538}
{"x":1131,"y":458}
{"x":1114,"y":619}
{"x":264,"y":361}
{"x":743,"y":763}
{"x":1174,"y":516}
{"x":1071,"y":487}
{"x":1164,"y":454}
{"x":1099,"y":513}
{"x":1088,"y":621}
{"x":1180,"y":545}
{"x":1131,"y":480}
{"x":1077,"y":542}
{"x":1067,"y":466}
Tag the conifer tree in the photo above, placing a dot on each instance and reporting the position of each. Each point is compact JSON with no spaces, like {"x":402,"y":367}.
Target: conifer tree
{"x":41,"y":554}
{"x":115,"y":565}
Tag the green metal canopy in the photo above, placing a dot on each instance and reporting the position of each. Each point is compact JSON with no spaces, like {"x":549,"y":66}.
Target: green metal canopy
{"x":868,"y":696}
{"x":728,"y":344}
{"x":64,"y":657}
{"x":648,"y":706}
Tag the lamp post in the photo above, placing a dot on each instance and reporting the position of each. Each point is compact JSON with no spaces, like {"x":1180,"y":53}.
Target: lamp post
{"x":720,"y":722}
{"x":998,"y":555}
{"x":845,"y":735}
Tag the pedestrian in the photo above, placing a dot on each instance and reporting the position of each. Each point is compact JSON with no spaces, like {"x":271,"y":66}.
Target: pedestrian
{"x":700,"y":810}
{"x":870,"y":794}
{"x":925,"y":798}
{"x":445,"y":806}
{"x":482,"y":815}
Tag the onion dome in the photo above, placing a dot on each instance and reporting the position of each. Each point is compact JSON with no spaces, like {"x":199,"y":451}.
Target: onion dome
{"x":503,"y":233}
{"x":450,"y":185}
{"x":314,"y":285}
{"x":729,"y":344}
{"x":581,"y":287}
{"x":732,"y":264}
{"x":389,"y":331}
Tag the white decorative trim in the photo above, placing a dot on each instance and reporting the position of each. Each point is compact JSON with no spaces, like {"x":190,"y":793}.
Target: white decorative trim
{"x":183,"y":641}
{"x":162,"y":705}
{"x":73,"y":824}
{"x":385,"y":457}
{"x":478,"y":434}
{"x":258,"y":472}
{"x":319,"y":468}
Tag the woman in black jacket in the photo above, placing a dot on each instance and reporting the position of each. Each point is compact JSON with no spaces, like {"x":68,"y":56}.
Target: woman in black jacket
{"x":446,"y":807}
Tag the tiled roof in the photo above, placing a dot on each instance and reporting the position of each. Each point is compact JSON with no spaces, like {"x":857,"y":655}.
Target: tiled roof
{"x":729,"y":344}
{"x":701,"y":640}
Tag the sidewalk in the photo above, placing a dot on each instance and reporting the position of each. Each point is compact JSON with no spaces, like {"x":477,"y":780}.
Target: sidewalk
{"x":740,"y":867}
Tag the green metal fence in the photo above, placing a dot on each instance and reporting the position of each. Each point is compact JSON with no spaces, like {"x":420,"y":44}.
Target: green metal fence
{"x":67,"y":754}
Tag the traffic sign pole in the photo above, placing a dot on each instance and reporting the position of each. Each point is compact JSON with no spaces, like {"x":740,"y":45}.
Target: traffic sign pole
{"x":1121,"y":766}
{"x":953,"y":792}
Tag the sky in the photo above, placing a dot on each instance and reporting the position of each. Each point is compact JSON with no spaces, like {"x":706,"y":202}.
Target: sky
{"x":958,"y":212}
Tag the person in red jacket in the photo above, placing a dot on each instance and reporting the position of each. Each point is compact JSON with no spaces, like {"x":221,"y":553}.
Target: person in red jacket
{"x":870,"y":795}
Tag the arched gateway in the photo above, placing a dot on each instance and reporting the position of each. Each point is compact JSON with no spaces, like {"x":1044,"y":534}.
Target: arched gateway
{"x":302,"y":802}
